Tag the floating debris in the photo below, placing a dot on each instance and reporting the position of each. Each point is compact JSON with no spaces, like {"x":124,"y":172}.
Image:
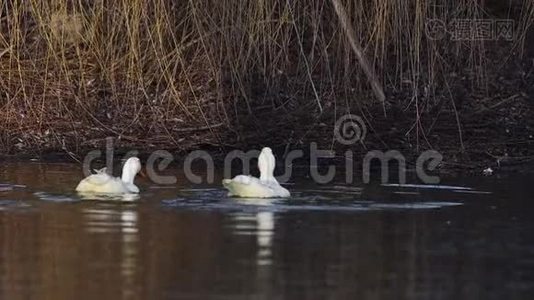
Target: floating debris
{"x":487,"y":172}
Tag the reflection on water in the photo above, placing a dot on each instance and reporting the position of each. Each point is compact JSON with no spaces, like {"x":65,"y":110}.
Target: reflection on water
{"x":123,"y":222}
{"x":261,"y":225}
{"x":264,"y":234}
{"x":427,"y":186}
{"x":470,"y":238}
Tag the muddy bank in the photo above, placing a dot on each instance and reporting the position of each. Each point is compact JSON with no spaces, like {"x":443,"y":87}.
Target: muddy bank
{"x":181,"y":76}
{"x":473,"y":129}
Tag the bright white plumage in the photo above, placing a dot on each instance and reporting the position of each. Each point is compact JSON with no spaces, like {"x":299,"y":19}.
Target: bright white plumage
{"x":101,"y":182}
{"x":264,"y":187}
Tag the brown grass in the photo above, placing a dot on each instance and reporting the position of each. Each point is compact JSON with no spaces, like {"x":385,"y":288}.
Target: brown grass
{"x":179,"y":74}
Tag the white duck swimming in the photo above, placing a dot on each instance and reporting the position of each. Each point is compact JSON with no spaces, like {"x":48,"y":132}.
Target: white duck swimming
{"x":101,"y":182}
{"x":264,"y":187}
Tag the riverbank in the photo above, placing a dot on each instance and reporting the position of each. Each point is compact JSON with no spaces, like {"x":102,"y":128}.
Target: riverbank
{"x":165,"y":76}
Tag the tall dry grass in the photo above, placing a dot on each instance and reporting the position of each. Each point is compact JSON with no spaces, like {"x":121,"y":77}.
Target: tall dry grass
{"x":177,"y":74}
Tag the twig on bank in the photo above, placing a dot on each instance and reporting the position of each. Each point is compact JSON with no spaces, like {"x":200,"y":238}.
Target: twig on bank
{"x":5,"y":51}
{"x":494,"y":106}
{"x":308,"y":69}
{"x":369,"y":72}
{"x":189,"y":129}
{"x":456,"y":115}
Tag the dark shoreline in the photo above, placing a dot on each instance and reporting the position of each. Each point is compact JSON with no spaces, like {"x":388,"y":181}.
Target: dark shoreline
{"x":452,"y":168}
{"x":472,"y":100}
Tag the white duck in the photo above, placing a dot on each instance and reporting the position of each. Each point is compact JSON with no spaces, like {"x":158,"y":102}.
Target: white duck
{"x":264,"y":187}
{"x":101,"y":182}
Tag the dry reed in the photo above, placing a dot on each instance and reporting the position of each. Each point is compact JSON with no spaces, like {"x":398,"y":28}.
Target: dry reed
{"x":181,"y":74}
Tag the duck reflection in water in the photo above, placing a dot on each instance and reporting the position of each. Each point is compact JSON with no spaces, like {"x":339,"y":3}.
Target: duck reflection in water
{"x":112,"y":222}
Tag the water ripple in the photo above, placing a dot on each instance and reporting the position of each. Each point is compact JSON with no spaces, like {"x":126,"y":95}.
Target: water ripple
{"x":274,"y":205}
{"x":13,"y":205}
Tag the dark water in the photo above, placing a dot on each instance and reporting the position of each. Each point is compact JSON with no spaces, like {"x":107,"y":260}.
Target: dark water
{"x":327,"y":242}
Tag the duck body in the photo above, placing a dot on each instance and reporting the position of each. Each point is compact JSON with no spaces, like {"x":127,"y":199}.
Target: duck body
{"x":101,"y":182}
{"x":252,"y":187}
{"x":264,"y":187}
{"x":104,"y":183}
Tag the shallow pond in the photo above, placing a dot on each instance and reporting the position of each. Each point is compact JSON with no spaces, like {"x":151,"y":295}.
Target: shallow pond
{"x":471,"y":239}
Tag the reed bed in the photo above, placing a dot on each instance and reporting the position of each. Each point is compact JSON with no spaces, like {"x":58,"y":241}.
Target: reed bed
{"x":186,"y":74}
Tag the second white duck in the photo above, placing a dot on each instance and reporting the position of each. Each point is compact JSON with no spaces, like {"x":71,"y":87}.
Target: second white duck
{"x":264,"y":187}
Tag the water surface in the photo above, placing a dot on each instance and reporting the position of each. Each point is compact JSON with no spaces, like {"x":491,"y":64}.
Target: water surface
{"x":469,"y":238}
